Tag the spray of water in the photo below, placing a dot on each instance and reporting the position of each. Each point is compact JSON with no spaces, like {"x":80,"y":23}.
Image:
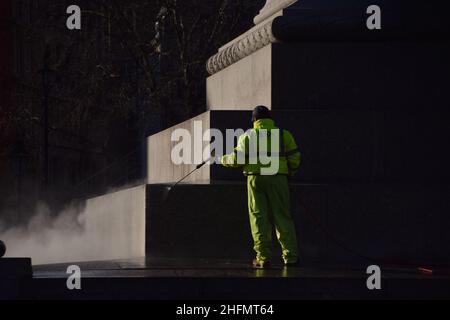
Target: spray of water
{"x":104,"y":228}
{"x":45,"y":238}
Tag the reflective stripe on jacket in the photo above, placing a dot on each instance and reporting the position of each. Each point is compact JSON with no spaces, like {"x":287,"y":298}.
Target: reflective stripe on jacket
{"x":257,"y":150}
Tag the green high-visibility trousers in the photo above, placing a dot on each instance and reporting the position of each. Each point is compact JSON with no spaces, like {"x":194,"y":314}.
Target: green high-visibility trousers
{"x":271,"y":193}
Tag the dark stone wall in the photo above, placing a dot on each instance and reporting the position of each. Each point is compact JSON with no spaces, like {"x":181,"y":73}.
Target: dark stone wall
{"x":338,"y":224}
{"x":198,"y":221}
{"x":361,"y":75}
{"x":358,"y":145}
{"x":371,"y":119}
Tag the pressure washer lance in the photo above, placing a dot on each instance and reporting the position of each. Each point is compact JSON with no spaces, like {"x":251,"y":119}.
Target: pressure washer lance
{"x":201,"y":165}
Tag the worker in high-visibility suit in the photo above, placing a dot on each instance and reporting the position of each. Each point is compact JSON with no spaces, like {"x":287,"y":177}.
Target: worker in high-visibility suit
{"x":267,"y":185}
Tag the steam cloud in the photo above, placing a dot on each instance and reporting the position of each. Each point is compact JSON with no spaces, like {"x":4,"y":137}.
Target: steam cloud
{"x":105,"y":228}
{"x":48,"y":239}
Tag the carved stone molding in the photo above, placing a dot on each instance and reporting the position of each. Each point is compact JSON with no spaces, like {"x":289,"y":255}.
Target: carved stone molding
{"x":271,"y":8}
{"x":257,"y":38}
{"x":242,"y":48}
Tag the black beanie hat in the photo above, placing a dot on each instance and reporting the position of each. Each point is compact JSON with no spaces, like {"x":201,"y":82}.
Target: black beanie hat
{"x":261,"y":112}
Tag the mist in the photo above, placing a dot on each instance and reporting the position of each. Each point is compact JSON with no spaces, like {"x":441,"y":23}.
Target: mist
{"x":103,"y":228}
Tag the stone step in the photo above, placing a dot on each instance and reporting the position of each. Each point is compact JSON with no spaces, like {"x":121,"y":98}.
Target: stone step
{"x":346,"y":145}
{"x":13,"y":274}
{"x":341,"y":224}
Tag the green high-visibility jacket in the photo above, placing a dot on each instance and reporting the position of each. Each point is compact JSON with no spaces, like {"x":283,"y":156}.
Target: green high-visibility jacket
{"x":256,"y":147}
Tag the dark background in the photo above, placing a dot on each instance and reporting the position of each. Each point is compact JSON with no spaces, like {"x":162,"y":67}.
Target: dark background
{"x":76,"y":106}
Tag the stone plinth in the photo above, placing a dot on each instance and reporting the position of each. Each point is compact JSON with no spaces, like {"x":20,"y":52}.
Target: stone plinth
{"x":115,"y":226}
{"x":386,"y":222}
{"x":346,"y":145}
{"x":366,"y":110}
{"x":272,"y":7}
{"x":335,"y":75}
{"x":14,"y":273}
{"x":161,"y":168}
{"x":321,"y":54}
{"x":108,"y":227}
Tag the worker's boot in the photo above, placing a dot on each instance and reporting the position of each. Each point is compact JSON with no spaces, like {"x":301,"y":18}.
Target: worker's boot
{"x":261,"y":264}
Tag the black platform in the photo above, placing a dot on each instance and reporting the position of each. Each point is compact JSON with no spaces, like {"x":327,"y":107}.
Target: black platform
{"x":218,"y":279}
{"x":13,"y":274}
